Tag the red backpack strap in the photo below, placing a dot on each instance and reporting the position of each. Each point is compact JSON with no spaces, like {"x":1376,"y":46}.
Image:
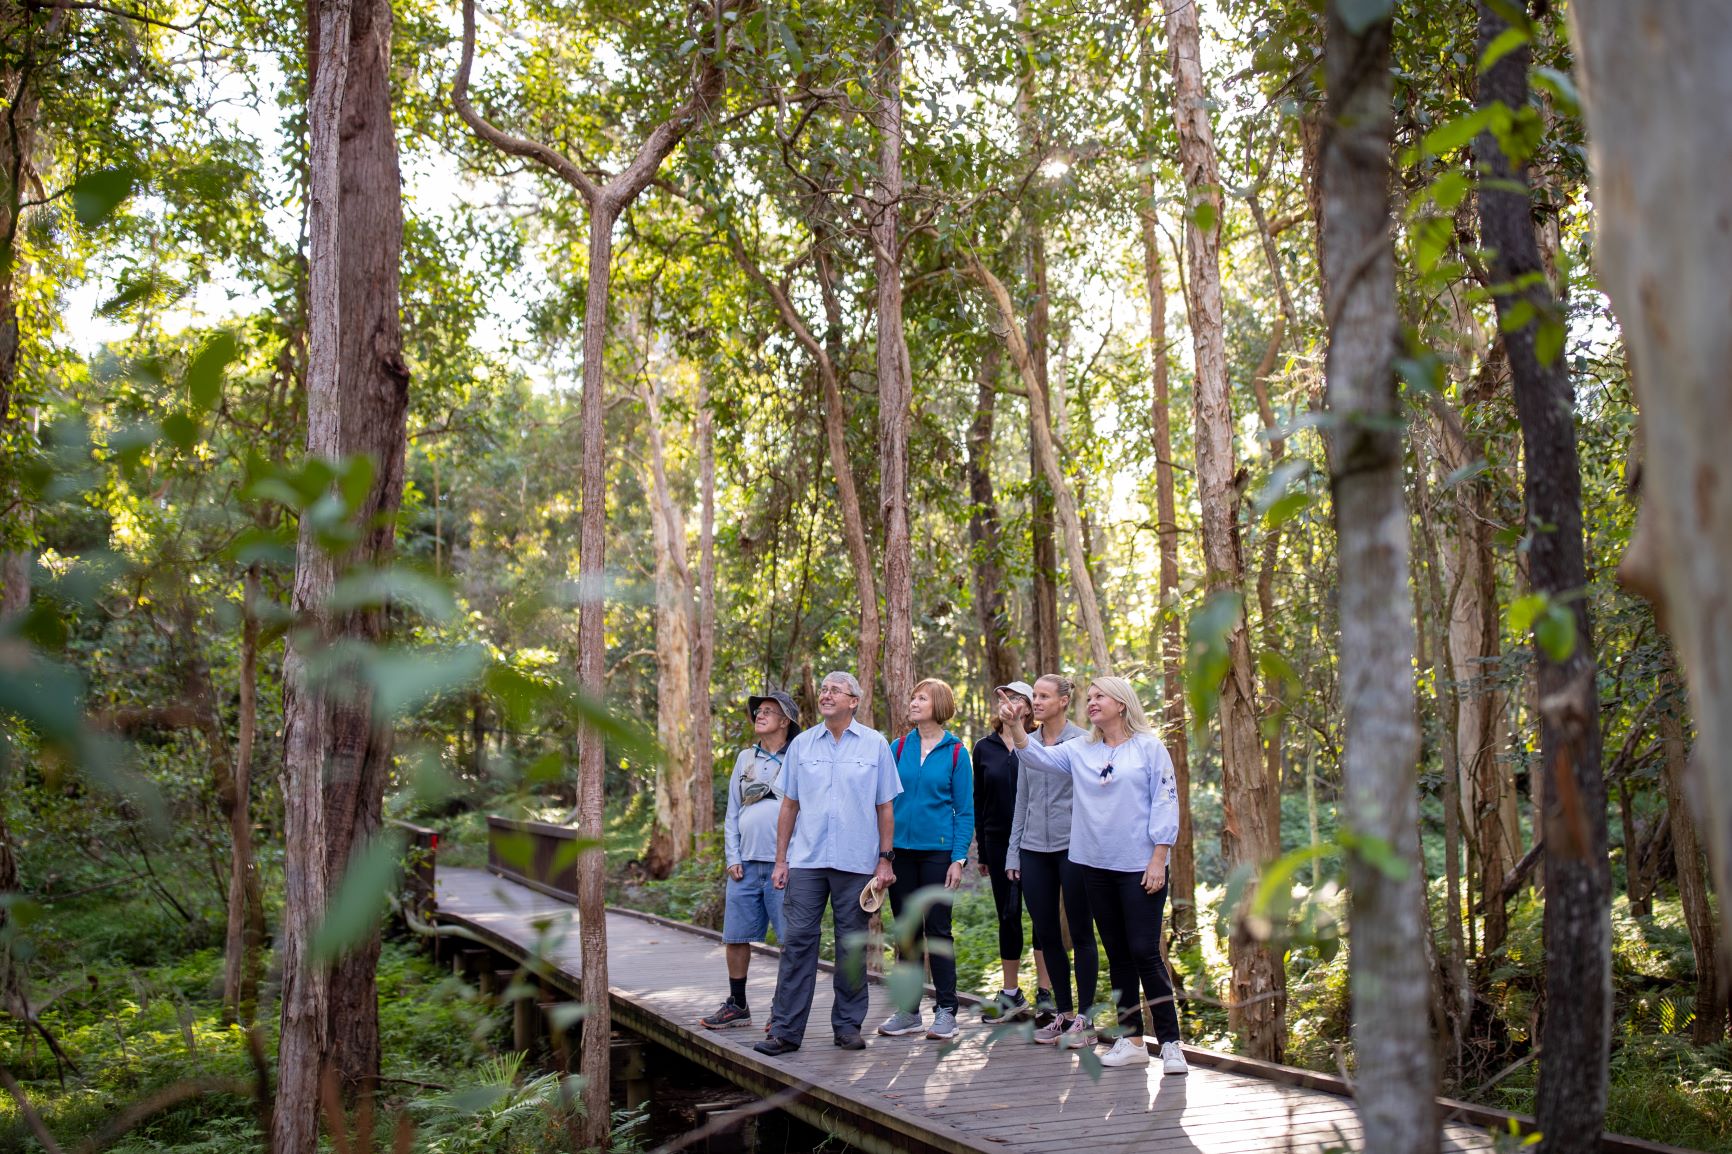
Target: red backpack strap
{"x":900,"y":742}
{"x":955,"y":755}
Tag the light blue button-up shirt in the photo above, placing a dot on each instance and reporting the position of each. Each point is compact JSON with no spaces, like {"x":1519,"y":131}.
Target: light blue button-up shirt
{"x":1115,"y":823}
{"x":839,"y":785}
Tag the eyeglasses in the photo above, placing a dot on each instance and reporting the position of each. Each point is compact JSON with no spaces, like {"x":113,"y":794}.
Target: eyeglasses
{"x":767,"y":711}
{"x":835,"y":691}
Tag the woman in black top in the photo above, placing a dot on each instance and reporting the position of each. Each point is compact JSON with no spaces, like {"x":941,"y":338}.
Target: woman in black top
{"x":994,"y":809}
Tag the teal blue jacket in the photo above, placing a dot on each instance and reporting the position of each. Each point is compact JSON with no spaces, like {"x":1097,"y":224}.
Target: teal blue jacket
{"x":935,"y":809}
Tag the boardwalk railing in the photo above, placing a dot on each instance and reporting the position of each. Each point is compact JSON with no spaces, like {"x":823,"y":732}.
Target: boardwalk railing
{"x":537,"y":854}
{"x":418,"y":883}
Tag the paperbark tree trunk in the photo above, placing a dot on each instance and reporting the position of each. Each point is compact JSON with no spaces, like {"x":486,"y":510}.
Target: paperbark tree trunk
{"x":1251,"y":829}
{"x":1575,"y":1034}
{"x":605,"y":201}
{"x":1170,"y":632}
{"x":1694,"y":895}
{"x":1077,"y":553}
{"x":375,"y":402}
{"x":983,"y":532}
{"x":895,"y":376}
{"x":307,"y":713}
{"x":675,"y":823}
{"x":1390,"y":979}
{"x":1654,"y":89}
{"x":704,"y":652}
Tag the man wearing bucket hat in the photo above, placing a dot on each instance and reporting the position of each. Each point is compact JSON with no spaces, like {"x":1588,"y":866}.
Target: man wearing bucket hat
{"x":833,"y":836}
{"x":752,"y":905}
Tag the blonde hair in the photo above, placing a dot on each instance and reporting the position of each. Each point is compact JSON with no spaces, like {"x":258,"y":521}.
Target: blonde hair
{"x":1125,"y":694}
{"x":1066,"y":686}
{"x":943,"y":698}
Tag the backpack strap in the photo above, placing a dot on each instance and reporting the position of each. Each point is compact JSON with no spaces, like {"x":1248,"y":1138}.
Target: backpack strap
{"x":900,"y":742}
{"x":955,"y":755}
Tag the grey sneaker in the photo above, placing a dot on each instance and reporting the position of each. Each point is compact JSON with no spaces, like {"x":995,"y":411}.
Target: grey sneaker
{"x":902,"y":1023}
{"x":1079,"y":1034}
{"x":1049,"y":1032}
{"x":944,"y":1025}
{"x":1011,"y":1007}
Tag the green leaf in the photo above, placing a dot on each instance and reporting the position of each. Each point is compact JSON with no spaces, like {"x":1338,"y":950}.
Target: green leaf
{"x":1562,"y":88}
{"x":204,"y":376}
{"x":181,"y":430}
{"x":1206,"y":658}
{"x":1359,"y":15}
{"x":1204,"y":215}
{"x":355,"y":480}
{"x":1287,"y":507}
{"x":263,"y":546}
{"x":377,"y":588}
{"x":360,"y":898}
{"x":796,"y":58}
{"x":1555,"y":632}
{"x":1455,"y":132}
{"x":1505,"y":42}
{"x":1524,"y":611}
{"x":405,"y":679}
{"x":96,"y":195}
{"x":1549,"y":340}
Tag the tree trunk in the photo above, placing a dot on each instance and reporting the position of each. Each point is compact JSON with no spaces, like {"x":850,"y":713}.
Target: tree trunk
{"x":1654,"y":87}
{"x":671,"y":835}
{"x":895,"y":377}
{"x":1251,"y":828}
{"x":1047,"y":453}
{"x":375,"y":401}
{"x":1710,"y":1021}
{"x":1638,"y":888}
{"x":836,"y":437}
{"x":983,"y":537}
{"x":1390,"y":980}
{"x":246,"y":915}
{"x":307,"y":720}
{"x":704,"y":652}
{"x":1170,"y":630}
{"x":1575,"y":1035}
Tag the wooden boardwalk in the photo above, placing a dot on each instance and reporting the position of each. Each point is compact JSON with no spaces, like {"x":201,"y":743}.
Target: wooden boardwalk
{"x":905,"y":1094}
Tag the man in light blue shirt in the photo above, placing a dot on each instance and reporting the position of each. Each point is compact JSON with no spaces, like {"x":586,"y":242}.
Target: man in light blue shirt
{"x":833,"y":835}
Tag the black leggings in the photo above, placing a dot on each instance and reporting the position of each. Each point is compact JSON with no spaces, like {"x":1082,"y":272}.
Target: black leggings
{"x":1006,"y":899}
{"x":1047,"y":878}
{"x":1130,"y":923}
{"x":918,"y":869}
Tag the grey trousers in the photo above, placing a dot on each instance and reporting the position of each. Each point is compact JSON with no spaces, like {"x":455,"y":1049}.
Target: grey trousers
{"x":803,"y":917}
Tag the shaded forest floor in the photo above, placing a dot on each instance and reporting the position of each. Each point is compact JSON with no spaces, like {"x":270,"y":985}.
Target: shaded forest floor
{"x":136,"y":1002}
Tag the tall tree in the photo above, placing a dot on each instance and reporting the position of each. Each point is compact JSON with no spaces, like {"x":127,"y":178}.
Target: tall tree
{"x":1171,"y":631}
{"x":1251,"y":831}
{"x":1391,"y":983}
{"x":374,"y":382}
{"x":1575,"y":1035}
{"x":1709,"y":1023}
{"x":1046,"y":453}
{"x":307,"y":720}
{"x":991,"y":612}
{"x":704,"y":629}
{"x":606,"y":199}
{"x":1654,"y":87}
{"x":895,"y":373}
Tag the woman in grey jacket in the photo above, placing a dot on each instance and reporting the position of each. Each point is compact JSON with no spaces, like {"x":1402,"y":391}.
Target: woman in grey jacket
{"x":1039,"y":857}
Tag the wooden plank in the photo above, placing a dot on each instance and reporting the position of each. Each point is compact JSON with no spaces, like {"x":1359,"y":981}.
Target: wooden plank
{"x":914,"y":1094}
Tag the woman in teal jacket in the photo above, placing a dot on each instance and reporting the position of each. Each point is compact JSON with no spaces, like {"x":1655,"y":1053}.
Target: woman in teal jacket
{"x":934,"y":824}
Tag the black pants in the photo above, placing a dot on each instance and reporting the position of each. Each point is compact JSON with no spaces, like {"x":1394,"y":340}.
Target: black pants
{"x":1006,"y":898}
{"x":918,"y":869}
{"x":1130,"y":925}
{"x":1049,"y":877}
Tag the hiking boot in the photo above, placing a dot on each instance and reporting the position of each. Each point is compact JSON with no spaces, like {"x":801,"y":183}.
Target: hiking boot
{"x":902,"y":1023}
{"x":729,"y":1016}
{"x":1173,"y":1059}
{"x":850,"y":1041}
{"x":1009,"y":1006}
{"x":775,"y":1047}
{"x":944,"y":1025}
{"x":1126,"y":1053}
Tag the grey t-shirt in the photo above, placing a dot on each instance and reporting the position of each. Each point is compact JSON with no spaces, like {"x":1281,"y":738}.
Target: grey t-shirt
{"x":1041,"y":819}
{"x":749,"y":831}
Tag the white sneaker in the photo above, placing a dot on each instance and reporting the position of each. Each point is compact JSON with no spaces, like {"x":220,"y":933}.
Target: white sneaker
{"x":1173,"y":1059}
{"x":1126,"y":1053}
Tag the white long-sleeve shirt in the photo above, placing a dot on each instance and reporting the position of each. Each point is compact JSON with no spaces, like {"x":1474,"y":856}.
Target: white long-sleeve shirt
{"x":1115,"y":824}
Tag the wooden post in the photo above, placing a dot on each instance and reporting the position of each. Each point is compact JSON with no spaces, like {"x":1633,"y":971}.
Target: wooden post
{"x":631,"y":1071}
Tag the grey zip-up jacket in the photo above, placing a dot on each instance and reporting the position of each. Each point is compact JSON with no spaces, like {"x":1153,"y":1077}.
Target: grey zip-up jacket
{"x":1041,"y":821}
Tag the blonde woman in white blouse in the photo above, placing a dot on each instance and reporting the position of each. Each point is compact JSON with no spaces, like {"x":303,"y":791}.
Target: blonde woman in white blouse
{"x":1124,"y":820}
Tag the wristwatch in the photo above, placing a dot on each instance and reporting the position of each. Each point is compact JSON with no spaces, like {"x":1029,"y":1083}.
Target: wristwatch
{"x":888,"y":855}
